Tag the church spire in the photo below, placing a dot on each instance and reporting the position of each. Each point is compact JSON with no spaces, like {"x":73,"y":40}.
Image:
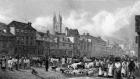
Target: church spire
{"x":54,"y":22}
{"x":57,"y":23}
{"x":60,"y":22}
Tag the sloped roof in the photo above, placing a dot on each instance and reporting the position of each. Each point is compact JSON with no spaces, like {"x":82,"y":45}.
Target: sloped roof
{"x":21,"y":25}
{"x":3,"y":27}
{"x":41,"y":33}
{"x":98,"y":39}
{"x":73,"y":32}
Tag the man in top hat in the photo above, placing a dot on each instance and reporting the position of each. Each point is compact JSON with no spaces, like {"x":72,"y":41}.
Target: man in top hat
{"x":3,"y":63}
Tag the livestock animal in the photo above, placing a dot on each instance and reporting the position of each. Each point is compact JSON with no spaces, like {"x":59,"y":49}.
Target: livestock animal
{"x":37,"y":61}
{"x":34,"y":72}
{"x":54,"y":60}
{"x":89,"y":65}
{"x":74,"y":72}
{"x":74,"y":65}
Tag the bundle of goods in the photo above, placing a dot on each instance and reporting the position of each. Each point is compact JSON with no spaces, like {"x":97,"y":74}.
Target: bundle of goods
{"x":80,"y":72}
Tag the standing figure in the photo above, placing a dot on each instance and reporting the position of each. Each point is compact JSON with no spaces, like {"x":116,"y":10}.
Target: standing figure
{"x":131,"y":67}
{"x":22,"y":62}
{"x":117,"y":71}
{"x":17,"y":63}
{"x":28,"y":63}
{"x":3,"y":63}
{"x":124,"y":69}
{"x":10,"y":64}
{"x":110,"y":70}
{"x":100,"y":73}
{"x":70,"y":60}
{"x":67,"y":60}
{"x":97,"y":63}
{"x":46,"y":64}
{"x":105,"y":69}
{"x":63,"y":61}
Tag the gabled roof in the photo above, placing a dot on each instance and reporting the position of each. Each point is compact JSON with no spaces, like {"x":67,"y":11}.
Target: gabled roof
{"x":41,"y":34}
{"x":98,"y":39}
{"x":73,"y":32}
{"x":21,"y":25}
{"x":2,"y":26}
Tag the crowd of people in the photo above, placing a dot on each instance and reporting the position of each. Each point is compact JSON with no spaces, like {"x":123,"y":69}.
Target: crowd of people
{"x":110,"y":66}
{"x":17,"y":63}
{"x":14,"y":63}
{"x":117,"y":68}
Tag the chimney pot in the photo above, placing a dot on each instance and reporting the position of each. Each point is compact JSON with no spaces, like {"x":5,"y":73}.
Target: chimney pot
{"x":29,"y":23}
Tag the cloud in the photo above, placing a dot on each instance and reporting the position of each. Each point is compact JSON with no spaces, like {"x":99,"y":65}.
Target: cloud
{"x":4,"y":19}
{"x":43,"y":23}
{"x":105,"y":18}
{"x":3,"y":15}
{"x":76,"y":19}
{"x":105,"y":23}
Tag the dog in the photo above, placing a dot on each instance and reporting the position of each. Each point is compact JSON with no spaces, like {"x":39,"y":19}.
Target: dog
{"x":34,"y":72}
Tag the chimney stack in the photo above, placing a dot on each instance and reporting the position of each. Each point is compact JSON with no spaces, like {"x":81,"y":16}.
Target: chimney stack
{"x":88,"y":34}
{"x":48,"y":32}
{"x":29,"y":23}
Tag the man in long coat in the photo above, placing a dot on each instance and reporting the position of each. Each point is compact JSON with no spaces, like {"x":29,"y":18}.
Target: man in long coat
{"x":46,"y":63}
{"x":3,"y":63}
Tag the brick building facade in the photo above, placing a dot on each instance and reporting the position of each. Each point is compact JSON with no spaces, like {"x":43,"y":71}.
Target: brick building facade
{"x":91,"y":46}
{"x":7,"y":41}
{"x":25,"y":38}
{"x":27,"y":41}
{"x":54,"y":45}
{"x":74,"y":36}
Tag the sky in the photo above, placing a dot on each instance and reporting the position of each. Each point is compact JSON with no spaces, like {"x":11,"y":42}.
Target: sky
{"x":109,"y":19}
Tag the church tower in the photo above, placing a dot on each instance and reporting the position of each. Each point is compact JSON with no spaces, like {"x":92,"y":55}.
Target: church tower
{"x":60,"y":23}
{"x":57,"y":24}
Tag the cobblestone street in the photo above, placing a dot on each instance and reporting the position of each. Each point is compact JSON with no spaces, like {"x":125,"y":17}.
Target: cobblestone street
{"x":42,"y":74}
{"x":94,"y":78}
{"x":88,"y":78}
